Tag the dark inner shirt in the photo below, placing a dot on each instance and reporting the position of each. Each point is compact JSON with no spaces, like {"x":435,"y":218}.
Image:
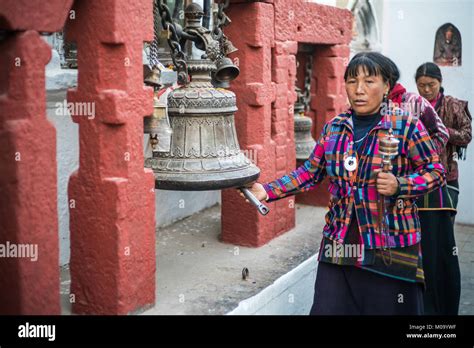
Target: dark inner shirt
{"x":362,"y":127}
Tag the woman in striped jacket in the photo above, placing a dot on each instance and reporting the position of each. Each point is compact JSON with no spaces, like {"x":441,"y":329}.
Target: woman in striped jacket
{"x":387,"y":276}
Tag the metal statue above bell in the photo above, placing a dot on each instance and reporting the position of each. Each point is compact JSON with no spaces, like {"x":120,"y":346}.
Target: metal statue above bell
{"x":202,"y":37}
{"x":304,"y":141}
{"x":205,"y":152}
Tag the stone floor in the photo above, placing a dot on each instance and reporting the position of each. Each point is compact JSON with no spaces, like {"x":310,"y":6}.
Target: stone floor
{"x":198,"y":274}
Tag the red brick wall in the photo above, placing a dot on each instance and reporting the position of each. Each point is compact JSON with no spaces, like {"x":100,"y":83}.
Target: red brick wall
{"x":112,"y":241}
{"x":328,"y":99}
{"x":113,"y":222}
{"x":267,"y":34}
{"x":28,"y":196}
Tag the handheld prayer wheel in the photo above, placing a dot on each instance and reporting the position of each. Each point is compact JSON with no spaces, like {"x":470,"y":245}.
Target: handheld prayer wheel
{"x":388,"y":148}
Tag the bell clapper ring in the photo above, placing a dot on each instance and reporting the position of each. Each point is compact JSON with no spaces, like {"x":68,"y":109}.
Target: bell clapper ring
{"x":262,"y":208}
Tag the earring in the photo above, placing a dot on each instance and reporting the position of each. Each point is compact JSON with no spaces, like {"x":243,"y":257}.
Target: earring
{"x":385,"y":105}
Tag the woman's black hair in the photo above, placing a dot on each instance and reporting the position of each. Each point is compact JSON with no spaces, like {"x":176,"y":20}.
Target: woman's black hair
{"x":374,"y":63}
{"x":429,"y":69}
{"x":395,"y":73}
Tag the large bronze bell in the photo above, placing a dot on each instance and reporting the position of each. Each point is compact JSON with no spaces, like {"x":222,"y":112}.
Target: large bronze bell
{"x":304,"y":141}
{"x":205,"y":153}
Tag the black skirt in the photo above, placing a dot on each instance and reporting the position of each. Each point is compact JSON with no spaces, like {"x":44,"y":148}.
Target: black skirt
{"x":440,"y":263}
{"x":349,"y":290}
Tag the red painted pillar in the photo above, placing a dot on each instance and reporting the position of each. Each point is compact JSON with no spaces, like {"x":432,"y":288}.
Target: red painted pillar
{"x":314,"y":24}
{"x":283,"y":134}
{"x":267,"y":34}
{"x":255,"y":90}
{"x":328,"y":99}
{"x":29,"y":265}
{"x":111,"y":194}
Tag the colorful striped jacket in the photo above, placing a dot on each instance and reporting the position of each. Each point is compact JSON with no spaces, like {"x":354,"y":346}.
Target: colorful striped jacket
{"x":416,"y":167}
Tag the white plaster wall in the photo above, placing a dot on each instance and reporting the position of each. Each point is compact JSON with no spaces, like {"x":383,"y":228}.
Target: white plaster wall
{"x":324,"y":2}
{"x":408,"y":29}
{"x":67,"y":144}
{"x":170,"y":205}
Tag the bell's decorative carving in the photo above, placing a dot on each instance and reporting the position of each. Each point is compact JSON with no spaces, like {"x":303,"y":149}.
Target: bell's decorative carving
{"x":205,"y":152}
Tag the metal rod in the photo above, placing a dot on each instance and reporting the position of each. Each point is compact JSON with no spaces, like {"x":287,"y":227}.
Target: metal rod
{"x":207,"y":14}
{"x":382,"y":212}
{"x":262,"y":208}
{"x":178,"y":7}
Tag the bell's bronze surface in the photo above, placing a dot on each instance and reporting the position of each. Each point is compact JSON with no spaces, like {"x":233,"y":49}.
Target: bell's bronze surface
{"x":205,"y":153}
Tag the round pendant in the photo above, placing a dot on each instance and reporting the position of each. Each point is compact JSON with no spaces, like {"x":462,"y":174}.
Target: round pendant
{"x":350,"y":163}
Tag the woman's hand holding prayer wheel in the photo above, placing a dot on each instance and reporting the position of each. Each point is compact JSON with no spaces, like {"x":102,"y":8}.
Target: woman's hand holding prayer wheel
{"x":387,"y":183}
